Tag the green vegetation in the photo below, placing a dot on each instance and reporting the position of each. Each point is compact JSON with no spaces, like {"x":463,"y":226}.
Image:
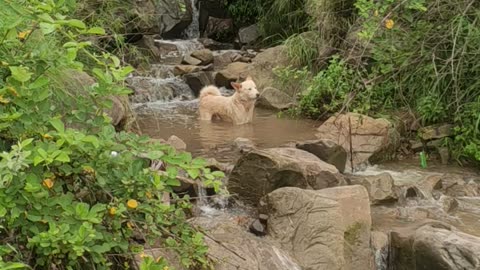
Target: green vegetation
{"x":416,"y":55}
{"x":77,"y":198}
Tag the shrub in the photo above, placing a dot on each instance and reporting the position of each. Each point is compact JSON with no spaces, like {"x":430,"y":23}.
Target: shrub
{"x":75,"y":198}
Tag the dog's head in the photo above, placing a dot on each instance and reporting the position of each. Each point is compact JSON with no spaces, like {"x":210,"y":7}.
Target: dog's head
{"x":247,"y":89}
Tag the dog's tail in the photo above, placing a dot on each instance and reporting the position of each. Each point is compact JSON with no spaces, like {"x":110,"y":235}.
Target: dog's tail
{"x":209,"y":91}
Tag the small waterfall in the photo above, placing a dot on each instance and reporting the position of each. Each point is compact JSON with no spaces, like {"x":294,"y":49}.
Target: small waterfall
{"x":150,"y":89}
{"x":193,"y":30}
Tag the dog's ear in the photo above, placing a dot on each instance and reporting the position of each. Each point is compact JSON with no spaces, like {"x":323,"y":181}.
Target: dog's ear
{"x":249,"y":78}
{"x":236,"y":86}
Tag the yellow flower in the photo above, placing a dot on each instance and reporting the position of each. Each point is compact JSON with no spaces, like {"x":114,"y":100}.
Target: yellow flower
{"x":47,"y":136}
{"x":13,"y":91}
{"x":132,"y":204}
{"x":4,"y":100}
{"x":142,"y":255}
{"x":130,"y":225}
{"x":148,"y":194}
{"x":389,"y":24}
{"x":375,"y":13}
{"x":166,"y":268}
{"x":48,"y":183}
{"x":24,"y":34}
{"x":112,"y":211}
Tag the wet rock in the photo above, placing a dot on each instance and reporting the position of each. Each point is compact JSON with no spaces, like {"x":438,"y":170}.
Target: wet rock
{"x":147,"y":89}
{"x":205,"y":56}
{"x":219,"y":29}
{"x":444,"y":153}
{"x":233,"y":248}
{"x":263,"y":218}
{"x":455,"y":186}
{"x":215,"y":45}
{"x":257,"y":228}
{"x":260,"y":172}
{"x":262,"y":66}
{"x":272,"y":98}
{"x":198,"y":80}
{"x":371,"y":139}
{"x":186,"y":69}
{"x":215,"y":165}
{"x":436,"y":132}
{"x":177,"y":143}
{"x":323,"y":229}
{"x":224,"y":58}
{"x":380,"y":245}
{"x":248,"y":35}
{"x":190,"y":60}
{"x":435,"y":246}
{"x":232,"y":73}
{"x":327,"y":151}
{"x":243,"y":144}
{"x":380,"y":187}
{"x":173,"y":17}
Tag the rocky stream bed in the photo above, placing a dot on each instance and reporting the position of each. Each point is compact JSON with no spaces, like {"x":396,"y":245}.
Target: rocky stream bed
{"x":304,"y":194}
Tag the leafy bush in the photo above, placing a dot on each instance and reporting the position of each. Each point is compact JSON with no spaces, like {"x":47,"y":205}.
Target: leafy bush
{"x":76,"y":198}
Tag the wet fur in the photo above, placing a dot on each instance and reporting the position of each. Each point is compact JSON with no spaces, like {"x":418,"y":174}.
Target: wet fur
{"x":237,"y":108}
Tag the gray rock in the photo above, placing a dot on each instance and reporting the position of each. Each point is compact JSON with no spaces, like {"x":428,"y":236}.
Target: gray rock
{"x":258,"y":228}
{"x":243,"y":144}
{"x":326,"y":150}
{"x":205,"y":56}
{"x":380,"y":187}
{"x":260,"y":172}
{"x":323,"y":229}
{"x":371,"y":140}
{"x":177,"y":143}
{"x":232,"y":73}
{"x":250,"y":34}
{"x":198,"y":80}
{"x":272,"y":98}
{"x":190,"y":60}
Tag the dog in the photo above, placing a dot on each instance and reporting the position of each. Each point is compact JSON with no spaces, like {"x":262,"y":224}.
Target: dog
{"x":237,"y":108}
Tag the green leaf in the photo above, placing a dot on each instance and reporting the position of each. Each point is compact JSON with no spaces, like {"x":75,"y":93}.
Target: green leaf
{"x":20,"y":73}
{"x":92,"y":139}
{"x":26,"y":142}
{"x":42,"y":153}
{"x":3,"y":211}
{"x":173,"y":182}
{"x":96,"y":31}
{"x":63,"y":157}
{"x":47,"y":28}
{"x":193,"y":173}
{"x":39,"y":82}
{"x":76,"y":23}
{"x":9,"y":266}
{"x":58,"y":125}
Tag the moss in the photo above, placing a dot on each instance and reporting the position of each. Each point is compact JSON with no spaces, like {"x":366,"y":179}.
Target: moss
{"x":352,"y":234}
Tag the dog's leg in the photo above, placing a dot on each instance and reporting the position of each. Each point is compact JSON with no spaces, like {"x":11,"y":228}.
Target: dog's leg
{"x":207,"y":116}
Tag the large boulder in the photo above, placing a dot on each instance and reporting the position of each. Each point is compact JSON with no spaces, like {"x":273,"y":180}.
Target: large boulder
{"x":174,"y":17}
{"x":232,"y":73}
{"x":249,"y":34}
{"x":327,"y":151}
{"x":380,"y":187}
{"x":77,"y":83}
{"x":435,"y":246}
{"x":233,"y":248}
{"x":260,"y":172}
{"x":364,"y":138}
{"x":322,"y":229}
{"x":272,"y":98}
{"x":263,"y":64}
{"x":196,"y":81}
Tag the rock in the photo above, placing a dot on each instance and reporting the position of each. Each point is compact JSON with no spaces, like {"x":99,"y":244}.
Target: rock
{"x":77,"y":83}
{"x":215,"y":45}
{"x":455,"y":186}
{"x":371,"y":139}
{"x":444,"y":155}
{"x":257,"y":228}
{"x":327,"y":151}
{"x":177,"y":143}
{"x":205,"y":56}
{"x":248,"y":35}
{"x":231,"y":73}
{"x":196,"y":81}
{"x":263,"y":218}
{"x":435,"y":246}
{"x":224,"y":58}
{"x":174,"y":17}
{"x":380,"y":245}
{"x":436,"y":132}
{"x":233,"y":248}
{"x":243,"y":144}
{"x":272,"y":98}
{"x":190,"y":60}
{"x":219,"y":29}
{"x":380,"y":187}
{"x":260,"y":172}
{"x":147,"y":89}
{"x":323,"y":229}
{"x":186,"y":69}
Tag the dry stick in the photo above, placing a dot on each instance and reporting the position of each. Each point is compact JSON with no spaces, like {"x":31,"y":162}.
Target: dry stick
{"x":351,"y":147}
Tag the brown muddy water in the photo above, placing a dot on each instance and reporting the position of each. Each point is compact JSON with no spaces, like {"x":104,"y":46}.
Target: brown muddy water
{"x":214,"y":139}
